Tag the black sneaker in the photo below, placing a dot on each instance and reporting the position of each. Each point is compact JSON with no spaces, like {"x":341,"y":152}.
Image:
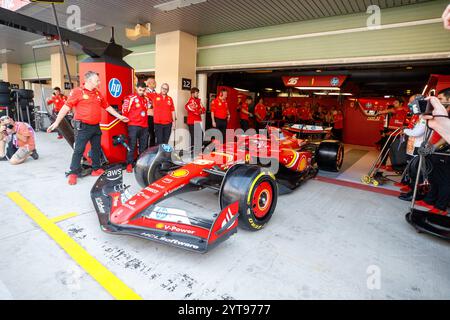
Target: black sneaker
{"x":34,"y":155}
{"x":3,"y":159}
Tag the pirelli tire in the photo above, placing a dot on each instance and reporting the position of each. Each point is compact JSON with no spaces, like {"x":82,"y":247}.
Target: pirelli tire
{"x":330,"y":155}
{"x":256,"y":191}
{"x":151,"y":164}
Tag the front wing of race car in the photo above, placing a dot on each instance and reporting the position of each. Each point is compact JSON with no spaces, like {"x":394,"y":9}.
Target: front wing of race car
{"x":145,"y":219}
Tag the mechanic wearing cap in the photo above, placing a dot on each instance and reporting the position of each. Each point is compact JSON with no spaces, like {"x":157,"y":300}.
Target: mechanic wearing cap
{"x":220,"y":115}
{"x":87,"y":103}
{"x":245,"y":114}
{"x":151,"y":94}
{"x":164,"y":115}
{"x":195,"y":109}
{"x":57,"y":100}
{"x":20,"y":140}
{"x":135,"y":108}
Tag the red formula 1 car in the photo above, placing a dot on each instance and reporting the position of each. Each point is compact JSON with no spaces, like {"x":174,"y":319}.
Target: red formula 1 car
{"x":249,"y":174}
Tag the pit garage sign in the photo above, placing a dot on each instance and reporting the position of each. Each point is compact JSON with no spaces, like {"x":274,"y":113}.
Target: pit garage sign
{"x":314,"y":81}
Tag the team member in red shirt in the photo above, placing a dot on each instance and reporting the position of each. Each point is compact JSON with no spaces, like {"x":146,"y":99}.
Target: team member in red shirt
{"x":304,"y":114}
{"x":260,"y":113}
{"x":289,"y":113}
{"x":151,"y":94}
{"x":245,"y":114}
{"x":164,"y":115}
{"x":220,"y":115}
{"x":57,"y":100}
{"x":135,"y":108}
{"x":195,"y":110}
{"x":87,"y":103}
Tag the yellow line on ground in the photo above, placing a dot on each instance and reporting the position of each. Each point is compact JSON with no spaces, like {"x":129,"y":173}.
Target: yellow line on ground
{"x":102,"y":275}
{"x":64,"y":217}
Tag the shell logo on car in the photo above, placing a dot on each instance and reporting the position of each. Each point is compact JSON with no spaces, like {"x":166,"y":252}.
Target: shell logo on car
{"x":160,"y":226}
{"x":180,"y":173}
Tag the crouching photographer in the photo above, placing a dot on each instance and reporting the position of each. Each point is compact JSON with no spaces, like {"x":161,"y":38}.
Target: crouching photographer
{"x":17,"y":141}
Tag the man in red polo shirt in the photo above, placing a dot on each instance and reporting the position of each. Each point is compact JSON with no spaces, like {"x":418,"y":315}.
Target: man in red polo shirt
{"x":338,"y":124}
{"x":245,"y":114}
{"x":260,"y":113}
{"x":87,"y":103}
{"x":195,"y":109}
{"x":220,"y":115}
{"x":57,"y":100}
{"x":164,"y":115}
{"x":135,"y":108}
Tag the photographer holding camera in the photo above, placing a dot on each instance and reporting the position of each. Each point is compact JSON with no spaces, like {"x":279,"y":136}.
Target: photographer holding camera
{"x":19,"y":139}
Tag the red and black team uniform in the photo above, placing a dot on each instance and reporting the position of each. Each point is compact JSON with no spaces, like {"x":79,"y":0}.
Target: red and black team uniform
{"x":338,"y":125}
{"x":135,"y":108}
{"x":220,"y":110}
{"x":260,"y":114}
{"x":244,"y":116}
{"x":151,"y":94}
{"x":290,"y":114}
{"x":195,"y":110}
{"x":58,"y":101}
{"x":87,"y":106}
{"x":162,"y":108}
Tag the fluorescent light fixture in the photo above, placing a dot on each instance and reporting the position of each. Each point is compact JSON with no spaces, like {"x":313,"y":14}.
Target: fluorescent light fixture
{"x":387,"y":97}
{"x":89,"y":28}
{"x":319,"y":88}
{"x":320,"y":93}
{"x":176,"y":4}
{"x":293,"y":95}
{"x":6,"y":51}
{"x":268,"y":89}
{"x":339,"y":94}
{"x":239,"y":89}
{"x":318,"y":71}
{"x":49,"y":45}
{"x":37,"y":41}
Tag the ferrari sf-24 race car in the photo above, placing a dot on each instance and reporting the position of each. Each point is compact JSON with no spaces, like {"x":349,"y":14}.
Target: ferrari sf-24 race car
{"x":249,"y":174}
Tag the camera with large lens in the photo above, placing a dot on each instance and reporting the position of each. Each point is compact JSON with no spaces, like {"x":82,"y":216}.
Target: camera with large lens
{"x":420,"y":105}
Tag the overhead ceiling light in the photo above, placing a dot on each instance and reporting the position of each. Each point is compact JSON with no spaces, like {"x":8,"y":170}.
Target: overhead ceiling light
{"x":89,"y":28}
{"x":6,"y":51}
{"x":321,"y":93}
{"x":319,"y":88}
{"x":387,"y":97}
{"x":268,"y":89}
{"x":50,"y":44}
{"x":176,"y":4}
{"x":239,"y":89}
{"x":409,"y":68}
{"x":318,"y":71}
{"x":339,"y":94}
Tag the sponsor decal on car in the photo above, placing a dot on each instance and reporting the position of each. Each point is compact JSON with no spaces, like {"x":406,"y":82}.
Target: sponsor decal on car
{"x":158,"y":186}
{"x":167,"y":180}
{"x":152,"y":190}
{"x":169,"y":215}
{"x":100,"y":205}
{"x":113,"y":175}
{"x":143,"y":195}
{"x":174,"y":229}
{"x":171,"y":241}
{"x":173,"y":190}
{"x":180,"y":173}
{"x":203,"y":162}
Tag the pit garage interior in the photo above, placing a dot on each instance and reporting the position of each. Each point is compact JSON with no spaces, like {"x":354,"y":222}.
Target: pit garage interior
{"x":332,"y":238}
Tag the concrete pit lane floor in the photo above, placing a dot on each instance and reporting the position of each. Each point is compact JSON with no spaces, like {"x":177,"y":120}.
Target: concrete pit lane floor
{"x":324,"y":241}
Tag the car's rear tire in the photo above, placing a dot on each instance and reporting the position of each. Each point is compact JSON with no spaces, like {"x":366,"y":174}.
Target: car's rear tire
{"x":151,"y":164}
{"x":330,"y":156}
{"x":256,"y":191}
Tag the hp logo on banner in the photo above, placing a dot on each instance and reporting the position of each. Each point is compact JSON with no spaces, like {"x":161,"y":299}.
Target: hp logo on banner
{"x":115,"y":87}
